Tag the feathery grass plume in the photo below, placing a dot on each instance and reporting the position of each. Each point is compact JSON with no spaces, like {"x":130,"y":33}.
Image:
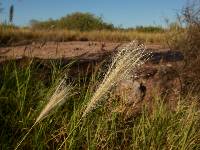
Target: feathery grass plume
{"x":126,"y":60}
{"x":56,"y":100}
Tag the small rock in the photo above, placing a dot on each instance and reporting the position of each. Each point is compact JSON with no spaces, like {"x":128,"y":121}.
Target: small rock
{"x":131,"y":91}
{"x":131,"y":94}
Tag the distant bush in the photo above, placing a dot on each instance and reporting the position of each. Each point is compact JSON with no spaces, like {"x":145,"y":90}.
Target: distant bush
{"x":43,"y":24}
{"x":188,"y":40}
{"x":75,"y":21}
{"x":149,"y":29}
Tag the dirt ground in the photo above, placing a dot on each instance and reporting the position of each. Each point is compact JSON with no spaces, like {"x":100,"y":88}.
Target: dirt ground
{"x":51,"y":50}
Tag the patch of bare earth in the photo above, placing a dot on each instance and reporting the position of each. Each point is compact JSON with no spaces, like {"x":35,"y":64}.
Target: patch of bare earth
{"x":52,"y":50}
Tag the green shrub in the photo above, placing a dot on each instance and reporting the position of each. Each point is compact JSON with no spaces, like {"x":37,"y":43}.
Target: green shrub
{"x":75,"y":21}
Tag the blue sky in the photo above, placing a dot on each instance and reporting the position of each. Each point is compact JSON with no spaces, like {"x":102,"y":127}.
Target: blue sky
{"x":128,"y":13}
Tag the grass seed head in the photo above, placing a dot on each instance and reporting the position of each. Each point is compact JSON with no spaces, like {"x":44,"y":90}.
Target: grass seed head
{"x":126,"y":60}
{"x":56,"y":100}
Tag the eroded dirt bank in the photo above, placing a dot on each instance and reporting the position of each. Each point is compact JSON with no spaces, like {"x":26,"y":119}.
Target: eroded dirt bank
{"x":160,"y":74}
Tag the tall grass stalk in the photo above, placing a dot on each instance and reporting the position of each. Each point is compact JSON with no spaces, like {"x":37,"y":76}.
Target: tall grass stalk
{"x":126,"y":60}
{"x":57,"y":99}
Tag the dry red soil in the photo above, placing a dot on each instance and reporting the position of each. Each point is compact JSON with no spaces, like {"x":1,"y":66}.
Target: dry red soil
{"x":51,"y":50}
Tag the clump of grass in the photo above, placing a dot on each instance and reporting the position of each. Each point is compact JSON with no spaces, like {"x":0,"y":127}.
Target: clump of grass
{"x":167,"y":129}
{"x":22,"y":36}
{"x":126,"y":60}
{"x":159,"y":128}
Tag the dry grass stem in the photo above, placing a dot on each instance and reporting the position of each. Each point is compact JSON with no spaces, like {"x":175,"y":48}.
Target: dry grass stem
{"x":126,"y":60}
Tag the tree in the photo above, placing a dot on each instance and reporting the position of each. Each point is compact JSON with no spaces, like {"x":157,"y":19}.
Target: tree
{"x":11,"y":14}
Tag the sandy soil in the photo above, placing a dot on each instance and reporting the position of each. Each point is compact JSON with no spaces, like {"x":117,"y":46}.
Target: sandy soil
{"x":63,"y":49}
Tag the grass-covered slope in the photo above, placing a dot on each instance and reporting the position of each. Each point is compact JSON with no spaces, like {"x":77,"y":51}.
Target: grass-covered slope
{"x":26,"y":88}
